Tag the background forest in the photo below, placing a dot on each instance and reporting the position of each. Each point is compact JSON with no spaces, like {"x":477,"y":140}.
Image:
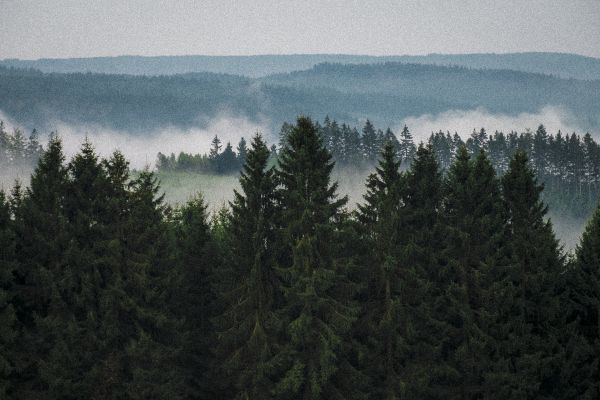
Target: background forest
{"x":446,"y":282}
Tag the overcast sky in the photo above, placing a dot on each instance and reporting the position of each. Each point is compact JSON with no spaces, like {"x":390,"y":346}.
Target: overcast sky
{"x":83,"y":28}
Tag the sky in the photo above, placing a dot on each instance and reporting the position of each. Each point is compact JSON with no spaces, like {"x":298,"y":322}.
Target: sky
{"x":31,"y":29}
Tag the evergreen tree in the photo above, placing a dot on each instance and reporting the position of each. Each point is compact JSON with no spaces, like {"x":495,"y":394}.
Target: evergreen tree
{"x":581,"y":371}
{"x":242,"y":152}
{"x":151,"y":278}
{"x":9,"y":329}
{"x":248,"y":337}
{"x":318,"y":309}
{"x":527,"y":325}
{"x":429,"y":334}
{"x":41,"y":232}
{"x":381,"y":325}
{"x":407,"y":146}
{"x":369,"y":142}
{"x":474,"y":215}
{"x":195,"y":298}
{"x":227,"y":160}
{"x":74,"y":320}
{"x":215,"y":148}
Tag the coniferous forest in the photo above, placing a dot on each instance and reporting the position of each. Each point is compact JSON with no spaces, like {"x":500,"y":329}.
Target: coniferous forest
{"x":446,"y":282}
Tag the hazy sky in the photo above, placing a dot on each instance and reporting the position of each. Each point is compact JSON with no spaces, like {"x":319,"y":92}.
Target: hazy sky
{"x":83,"y":28}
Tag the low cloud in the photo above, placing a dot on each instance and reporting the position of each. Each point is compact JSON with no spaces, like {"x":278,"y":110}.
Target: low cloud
{"x":464,"y":122}
{"x":141,"y":149}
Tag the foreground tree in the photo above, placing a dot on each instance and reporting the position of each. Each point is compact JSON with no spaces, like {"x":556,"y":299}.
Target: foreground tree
{"x":581,"y":371}
{"x":248,"y":340}
{"x":473,"y":213}
{"x":9,"y":330}
{"x":385,"y":305}
{"x":194,"y":298}
{"x":42,"y":239}
{"x":152,"y":277}
{"x":528,"y":321}
{"x":318,"y":310}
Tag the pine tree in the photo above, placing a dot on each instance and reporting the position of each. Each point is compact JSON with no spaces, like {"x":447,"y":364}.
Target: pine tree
{"x":407,"y":146}
{"x":215,"y":148}
{"x":9,"y":329}
{"x":249,"y":327}
{"x":150,"y":278}
{"x":74,"y":320}
{"x":381,"y":325}
{"x":581,"y":371}
{"x":198,"y":258}
{"x":527,"y":358}
{"x":318,"y":309}
{"x":429,"y":334}
{"x":41,"y":232}
{"x":369,"y":142}
{"x":242,"y":152}
{"x":227,"y":160}
{"x":474,"y":217}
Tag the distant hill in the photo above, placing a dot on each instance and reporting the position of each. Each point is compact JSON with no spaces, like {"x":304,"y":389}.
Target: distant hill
{"x":557,"y":64}
{"x":386,"y":93}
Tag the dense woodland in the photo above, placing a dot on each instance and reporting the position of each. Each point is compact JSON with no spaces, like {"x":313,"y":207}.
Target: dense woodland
{"x":567,"y":164}
{"x":439,"y":286}
{"x":558,"y":64}
{"x":387,"y":92}
{"x":18,"y":151}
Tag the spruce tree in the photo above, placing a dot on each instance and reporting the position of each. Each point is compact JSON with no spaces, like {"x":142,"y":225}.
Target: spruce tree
{"x":581,"y":371}
{"x":9,"y":328}
{"x":242,"y":152}
{"x":319,"y":311}
{"x":381,"y":325}
{"x":74,"y":319}
{"x":474,"y":216}
{"x":42,"y":239}
{"x":369,"y":142}
{"x":407,"y":146}
{"x":150,"y":280}
{"x":527,"y":358}
{"x":197,"y":259}
{"x":249,"y":326}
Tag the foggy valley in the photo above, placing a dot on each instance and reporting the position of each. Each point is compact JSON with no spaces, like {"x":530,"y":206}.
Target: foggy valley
{"x":276,"y":200}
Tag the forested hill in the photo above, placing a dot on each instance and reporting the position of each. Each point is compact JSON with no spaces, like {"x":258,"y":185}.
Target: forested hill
{"x":558,"y":64}
{"x":499,"y":91}
{"x":386,"y":93}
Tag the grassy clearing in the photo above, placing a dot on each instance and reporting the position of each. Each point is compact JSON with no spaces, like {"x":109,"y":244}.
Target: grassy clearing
{"x":181,"y":186}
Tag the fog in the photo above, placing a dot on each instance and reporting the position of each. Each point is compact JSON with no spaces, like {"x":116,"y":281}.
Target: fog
{"x":464,"y":122}
{"x":217,"y":190}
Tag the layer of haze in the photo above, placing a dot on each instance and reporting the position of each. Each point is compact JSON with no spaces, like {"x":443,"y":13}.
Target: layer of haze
{"x":72,"y":28}
{"x":217,"y":190}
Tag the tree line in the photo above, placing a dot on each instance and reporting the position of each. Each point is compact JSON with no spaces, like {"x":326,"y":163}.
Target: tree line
{"x":439,"y":286}
{"x":567,"y":164}
{"x":17,"y":150}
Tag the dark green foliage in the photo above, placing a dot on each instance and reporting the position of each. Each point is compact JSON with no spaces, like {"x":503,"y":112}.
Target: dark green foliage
{"x":42,"y":240}
{"x":318,"y":310}
{"x":527,"y":316}
{"x":9,"y":329}
{"x":383,"y":323}
{"x":473,"y":212}
{"x":249,"y":327}
{"x":151,"y":278}
{"x":446,"y":283}
{"x":194,"y":298}
{"x":581,"y":373}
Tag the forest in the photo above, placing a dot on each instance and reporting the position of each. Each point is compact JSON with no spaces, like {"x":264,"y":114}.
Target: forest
{"x":447,"y":281}
{"x":387,"y":93}
{"x":567,"y":164}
